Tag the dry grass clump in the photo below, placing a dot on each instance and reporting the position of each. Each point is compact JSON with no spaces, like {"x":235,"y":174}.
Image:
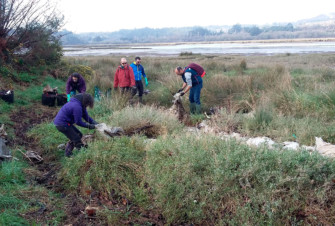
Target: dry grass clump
{"x":131,"y":118}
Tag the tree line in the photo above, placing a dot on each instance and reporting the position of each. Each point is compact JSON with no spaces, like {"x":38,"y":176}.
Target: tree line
{"x":189,"y":34}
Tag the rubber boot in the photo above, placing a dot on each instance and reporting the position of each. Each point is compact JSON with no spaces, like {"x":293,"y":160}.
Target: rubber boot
{"x":198,"y":109}
{"x":69,"y":148}
{"x":192,"y":108}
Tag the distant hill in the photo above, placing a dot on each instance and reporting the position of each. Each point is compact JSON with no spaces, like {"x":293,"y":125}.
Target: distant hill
{"x":320,"y":18}
{"x":321,"y":26}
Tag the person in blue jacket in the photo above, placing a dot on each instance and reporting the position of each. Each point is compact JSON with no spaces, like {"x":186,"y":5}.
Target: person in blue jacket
{"x":72,"y":113}
{"x":138,"y":73}
{"x":193,"y":83}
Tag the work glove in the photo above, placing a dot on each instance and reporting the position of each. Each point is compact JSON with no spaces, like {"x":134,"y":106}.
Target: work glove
{"x":146,"y":81}
{"x":95,"y":122}
{"x":181,"y":90}
{"x":91,"y":126}
{"x":68,"y":97}
{"x":182,"y":93}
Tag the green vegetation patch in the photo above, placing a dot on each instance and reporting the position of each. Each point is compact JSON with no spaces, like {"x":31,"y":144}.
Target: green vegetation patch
{"x":114,"y":168}
{"x":20,"y":201}
{"x":205,"y":180}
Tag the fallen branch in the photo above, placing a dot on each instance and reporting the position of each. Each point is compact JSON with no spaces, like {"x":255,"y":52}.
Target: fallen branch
{"x":109,"y":133}
{"x":32,"y":156}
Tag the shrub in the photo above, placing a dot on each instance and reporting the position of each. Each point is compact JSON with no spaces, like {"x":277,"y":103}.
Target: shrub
{"x":205,"y":180}
{"x":85,"y":71}
{"x":113,"y":168}
{"x":131,"y":118}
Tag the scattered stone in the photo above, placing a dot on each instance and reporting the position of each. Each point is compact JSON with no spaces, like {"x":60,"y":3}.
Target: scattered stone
{"x":205,"y":128}
{"x":259,"y":141}
{"x":324,"y":148}
{"x":308,"y":148}
{"x":91,"y":210}
{"x":5,"y":153}
{"x":61,"y":147}
{"x":291,"y":145}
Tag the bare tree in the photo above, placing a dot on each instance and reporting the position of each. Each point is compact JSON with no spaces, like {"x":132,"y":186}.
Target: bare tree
{"x":18,"y":17}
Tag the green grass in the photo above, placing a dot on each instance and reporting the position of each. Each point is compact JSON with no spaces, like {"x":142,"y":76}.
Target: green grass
{"x":33,"y":93}
{"x":18,"y":198}
{"x":113,"y":168}
{"x":205,"y":180}
{"x":53,"y":138}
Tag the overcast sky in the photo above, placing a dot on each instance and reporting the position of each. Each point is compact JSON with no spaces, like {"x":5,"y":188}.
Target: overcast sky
{"x":111,"y":15}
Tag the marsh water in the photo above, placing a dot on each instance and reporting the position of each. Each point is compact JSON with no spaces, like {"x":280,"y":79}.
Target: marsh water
{"x":252,"y":48}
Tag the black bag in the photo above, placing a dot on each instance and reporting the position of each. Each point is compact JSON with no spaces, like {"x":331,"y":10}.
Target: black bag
{"x":61,"y":99}
{"x":7,"y":95}
{"x":48,"y":99}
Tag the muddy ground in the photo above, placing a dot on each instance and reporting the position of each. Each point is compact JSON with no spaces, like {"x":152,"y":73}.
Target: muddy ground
{"x":45,"y":174}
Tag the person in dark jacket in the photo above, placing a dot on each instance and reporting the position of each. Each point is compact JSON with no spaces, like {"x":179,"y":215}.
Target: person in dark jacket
{"x":138,"y":73}
{"x":75,"y":82}
{"x":192,"y":83}
{"x":124,"y":78}
{"x":72,"y":113}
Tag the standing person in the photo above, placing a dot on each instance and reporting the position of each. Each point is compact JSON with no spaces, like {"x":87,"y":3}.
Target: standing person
{"x":193,"y":83}
{"x":75,"y":82}
{"x":124,"y":78}
{"x":139,"y":72}
{"x":72,"y":113}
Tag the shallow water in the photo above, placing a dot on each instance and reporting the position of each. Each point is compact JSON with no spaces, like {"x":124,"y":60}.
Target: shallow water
{"x":207,"y":49}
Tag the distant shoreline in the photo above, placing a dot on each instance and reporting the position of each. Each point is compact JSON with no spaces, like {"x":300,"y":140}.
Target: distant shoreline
{"x":128,"y":45}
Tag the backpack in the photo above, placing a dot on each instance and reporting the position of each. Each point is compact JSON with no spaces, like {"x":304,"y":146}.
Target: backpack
{"x":200,"y":71}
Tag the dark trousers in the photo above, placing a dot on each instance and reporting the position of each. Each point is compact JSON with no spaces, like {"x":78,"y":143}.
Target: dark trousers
{"x":139,"y":86}
{"x":195,"y":94}
{"x":130,"y":90}
{"x":73,"y":134}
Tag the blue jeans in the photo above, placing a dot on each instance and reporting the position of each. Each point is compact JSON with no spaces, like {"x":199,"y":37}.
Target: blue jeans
{"x":195,"y":94}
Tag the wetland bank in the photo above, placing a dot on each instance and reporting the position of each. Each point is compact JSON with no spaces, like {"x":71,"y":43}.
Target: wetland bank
{"x":183,"y":178}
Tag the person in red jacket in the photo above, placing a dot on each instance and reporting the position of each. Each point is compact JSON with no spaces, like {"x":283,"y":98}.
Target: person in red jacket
{"x":124,"y":78}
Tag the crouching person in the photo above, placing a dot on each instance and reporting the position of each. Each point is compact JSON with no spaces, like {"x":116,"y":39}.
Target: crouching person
{"x":72,"y":113}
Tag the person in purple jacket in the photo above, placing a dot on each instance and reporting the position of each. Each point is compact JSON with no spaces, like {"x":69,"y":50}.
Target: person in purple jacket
{"x":75,"y":83}
{"x":72,"y":113}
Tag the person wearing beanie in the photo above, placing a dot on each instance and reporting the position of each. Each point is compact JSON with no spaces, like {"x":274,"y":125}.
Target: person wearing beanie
{"x":75,"y":83}
{"x":72,"y":113}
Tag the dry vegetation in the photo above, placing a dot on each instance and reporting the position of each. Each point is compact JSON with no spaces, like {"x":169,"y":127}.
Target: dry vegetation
{"x":288,"y":94}
{"x":180,"y":178}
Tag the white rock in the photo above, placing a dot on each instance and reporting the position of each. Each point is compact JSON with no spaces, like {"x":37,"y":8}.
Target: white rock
{"x":308,"y":148}
{"x":288,"y":145}
{"x":258,"y":141}
{"x":324,"y":148}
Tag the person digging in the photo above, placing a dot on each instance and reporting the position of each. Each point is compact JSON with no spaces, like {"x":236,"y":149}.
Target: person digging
{"x":72,"y":113}
{"x":193,"y":83}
